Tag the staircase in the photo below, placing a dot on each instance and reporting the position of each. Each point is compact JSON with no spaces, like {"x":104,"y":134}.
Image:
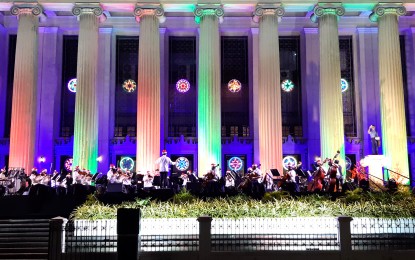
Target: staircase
{"x":24,"y":239}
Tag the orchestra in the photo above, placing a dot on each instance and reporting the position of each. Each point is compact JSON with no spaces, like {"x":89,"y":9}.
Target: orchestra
{"x":325,"y":176}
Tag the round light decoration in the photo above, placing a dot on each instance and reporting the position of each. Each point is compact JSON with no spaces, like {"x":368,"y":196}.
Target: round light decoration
{"x":72,"y":85}
{"x":235,"y":163}
{"x":289,"y":161}
{"x":344,"y":85}
{"x":182,"y":85}
{"x":68,"y":164}
{"x":129,"y":85}
{"x":348,"y":163}
{"x":234,"y":86}
{"x":287,"y":85}
{"x":126,"y":164}
{"x":182,"y":164}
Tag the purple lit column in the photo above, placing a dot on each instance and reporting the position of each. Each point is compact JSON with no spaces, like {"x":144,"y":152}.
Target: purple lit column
{"x":49,"y":81}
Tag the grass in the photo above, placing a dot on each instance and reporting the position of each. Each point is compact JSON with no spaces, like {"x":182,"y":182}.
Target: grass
{"x":275,"y":205}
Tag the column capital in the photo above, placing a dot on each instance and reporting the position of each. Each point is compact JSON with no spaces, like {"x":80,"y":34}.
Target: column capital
{"x":26,"y":8}
{"x":89,"y":8}
{"x":156,"y":10}
{"x":382,"y":9}
{"x":268,"y":9}
{"x":325,"y":8}
{"x":209,"y":9}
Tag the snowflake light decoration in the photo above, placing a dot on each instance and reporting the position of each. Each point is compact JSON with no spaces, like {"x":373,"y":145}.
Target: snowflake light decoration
{"x":234,"y":86}
{"x":182,"y":164}
{"x":289,"y":161}
{"x":68,"y":164}
{"x":72,"y":85}
{"x":127,"y":164}
{"x":182,"y":85}
{"x":235,"y":163}
{"x":287,"y":85}
{"x":129,"y":86}
{"x":344,"y":85}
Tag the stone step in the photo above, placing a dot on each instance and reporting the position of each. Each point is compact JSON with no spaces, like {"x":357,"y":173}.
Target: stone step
{"x":23,"y":239}
{"x":6,"y":256}
{"x":24,"y":250}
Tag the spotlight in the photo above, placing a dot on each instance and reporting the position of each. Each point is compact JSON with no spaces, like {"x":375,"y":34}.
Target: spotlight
{"x":99,"y":159}
{"x":42,"y":159}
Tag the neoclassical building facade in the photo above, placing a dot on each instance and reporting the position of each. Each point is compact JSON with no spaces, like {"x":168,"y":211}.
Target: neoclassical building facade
{"x":230,"y":82}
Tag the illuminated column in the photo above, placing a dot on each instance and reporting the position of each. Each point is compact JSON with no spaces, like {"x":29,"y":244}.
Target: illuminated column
{"x":331,"y":105}
{"x":269,"y":91}
{"x":208,"y":96}
{"x":24,"y":104}
{"x":392,"y":107}
{"x":85,"y":151}
{"x":148,"y":101}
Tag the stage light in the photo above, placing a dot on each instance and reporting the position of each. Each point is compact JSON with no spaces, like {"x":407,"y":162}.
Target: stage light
{"x":129,"y":85}
{"x":289,"y":161}
{"x":234,"y":86}
{"x":344,"y":85}
{"x":182,"y":164}
{"x":126,"y":164}
{"x":235,"y":163}
{"x":72,"y":85}
{"x":42,"y":159}
{"x":68,"y":164}
{"x":182,"y":85}
{"x":99,"y":159}
{"x":287,"y":85}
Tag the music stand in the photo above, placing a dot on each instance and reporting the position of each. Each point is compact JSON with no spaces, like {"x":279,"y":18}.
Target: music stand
{"x":275,"y":172}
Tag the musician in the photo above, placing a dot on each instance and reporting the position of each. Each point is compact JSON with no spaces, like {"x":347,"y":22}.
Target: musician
{"x":3,"y":173}
{"x":229,"y":180}
{"x":75,"y":174}
{"x":291,"y":179}
{"x":374,"y":139}
{"x":164,"y":163}
{"x":111,"y":172}
{"x":148,"y":181}
{"x":256,"y":186}
{"x":339,"y":176}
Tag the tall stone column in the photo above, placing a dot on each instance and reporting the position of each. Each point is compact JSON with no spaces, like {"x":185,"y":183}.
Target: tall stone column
{"x":209,"y":83}
{"x":331,"y":105}
{"x":148,"y":101}
{"x":24,"y":104}
{"x":85,"y":151}
{"x":269,"y":91}
{"x":392,"y":107}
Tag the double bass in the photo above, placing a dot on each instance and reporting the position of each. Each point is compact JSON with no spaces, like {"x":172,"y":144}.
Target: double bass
{"x":318,"y":177}
{"x":332,"y":173}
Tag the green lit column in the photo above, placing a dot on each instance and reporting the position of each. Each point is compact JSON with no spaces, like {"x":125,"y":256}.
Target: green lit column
{"x":24,"y":104}
{"x":331,"y":105}
{"x":208,"y":95}
{"x":148,"y":100}
{"x":269,"y":91}
{"x":85,"y":150}
{"x":392,"y":107}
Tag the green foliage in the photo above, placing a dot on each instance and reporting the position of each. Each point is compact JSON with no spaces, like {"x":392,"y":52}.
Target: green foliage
{"x":274,"y":205}
{"x":275,"y":195}
{"x":183,"y":196}
{"x":354,"y":196}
